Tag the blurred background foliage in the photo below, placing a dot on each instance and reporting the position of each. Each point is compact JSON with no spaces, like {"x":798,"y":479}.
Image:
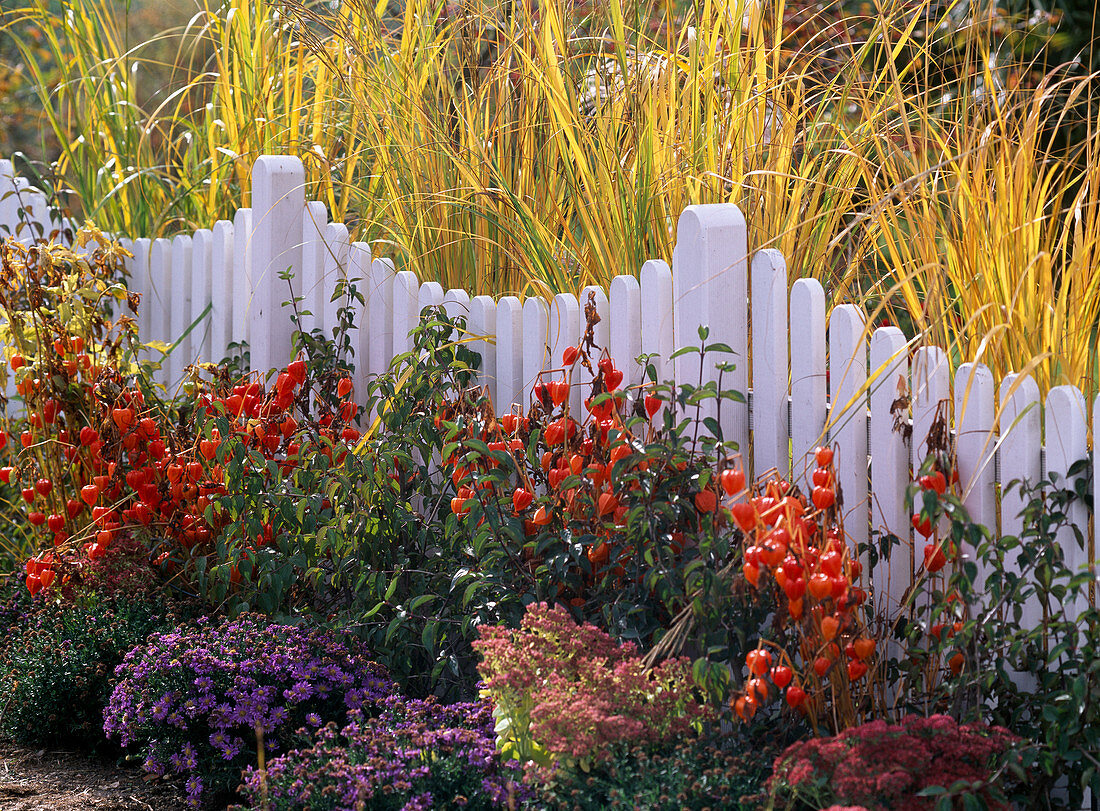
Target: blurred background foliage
{"x":936,"y":162}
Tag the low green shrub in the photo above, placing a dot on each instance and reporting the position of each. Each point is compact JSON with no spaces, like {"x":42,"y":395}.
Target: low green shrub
{"x":689,"y":774}
{"x":58,"y":661}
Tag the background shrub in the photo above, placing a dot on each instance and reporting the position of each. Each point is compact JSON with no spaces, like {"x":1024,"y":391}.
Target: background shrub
{"x":57,"y":665}
{"x":686,"y":774}
{"x":193,"y":700}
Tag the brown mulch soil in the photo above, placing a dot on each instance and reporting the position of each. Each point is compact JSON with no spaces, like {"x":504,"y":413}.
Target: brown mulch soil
{"x":47,"y":780}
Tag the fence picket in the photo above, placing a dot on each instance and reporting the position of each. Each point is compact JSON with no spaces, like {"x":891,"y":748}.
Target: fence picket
{"x":1067,"y":438}
{"x":536,"y":351}
{"x":278,"y":198}
{"x":509,"y":354}
{"x":242,"y":276}
{"x":975,"y":413}
{"x":202,"y":255}
{"x":848,"y":417}
{"x":9,"y":204}
{"x":221,"y":290}
{"x":601,"y":334}
{"x":160,"y":281}
{"x":483,"y":322}
{"x":893,"y":573}
{"x":769,"y":362}
{"x":180,"y":318}
{"x":139,"y":272}
{"x":565,"y":328}
{"x":655,"y":311}
{"x":406,"y":310}
{"x":337,"y":245}
{"x":624,"y":341}
{"x":312,"y":305}
{"x":359,"y":262}
{"x":1021,"y":458}
{"x":710,"y":288}
{"x":379,"y":296}
{"x":808,"y":378}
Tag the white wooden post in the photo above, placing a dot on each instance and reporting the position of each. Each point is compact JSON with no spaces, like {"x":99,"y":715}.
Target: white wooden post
{"x":312,"y":305}
{"x":565,"y":330}
{"x":808,"y":378}
{"x":848,"y":417}
{"x":769,"y":362}
{"x":710,"y":284}
{"x":1021,"y":459}
{"x":335,"y":270}
{"x":180,"y":318}
{"x":202,"y":256}
{"x":278,"y":197}
{"x":624,"y":340}
{"x":483,"y":322}
{"x":221,"y":289}
{"x":1067,"y":431}
{"x":380,"y":337}
{"x":509,"y":366}
{"x":9,"y":204}
{"x":160,"y":280}
{"x":359,"y":269}
{"x":536,"y":350}
{"x":406,"y":311}
{"x":658,"y":336}
{"x":241,"y":316}
{"x":890,"y":578}
{"x":143,"y":283}
{"x":975,"y":416}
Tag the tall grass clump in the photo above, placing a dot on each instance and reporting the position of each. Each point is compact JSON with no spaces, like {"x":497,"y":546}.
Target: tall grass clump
{"x":911,"y":155}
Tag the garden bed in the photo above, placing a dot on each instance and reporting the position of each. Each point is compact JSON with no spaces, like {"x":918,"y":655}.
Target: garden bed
{"x":37,"y":780}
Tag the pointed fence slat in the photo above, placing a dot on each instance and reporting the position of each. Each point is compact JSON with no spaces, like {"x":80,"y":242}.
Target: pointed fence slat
{"x":1067,"y":441}
{"x":624,"y":341}
{"x":278,"y":198}
{"x":565,"y":328}
{"x":221,"y":290}
{"x":536,"y":350}
{"x":180,"y":318}
{"x":379,"y":296}
{"x":202,"y":255}
{"x":808,"y":379}
{"x":335,"y":270}
{"x":242,"y":276}
{"x":893,"y":573}
{"x":601,"y":334}
{"x":406,"y":310}
{"x":975,"y":417}
{"x":655,"y":311}
{"x":1021,"y":459}
{"x":483,"y":322}
{"x":139,"y":272}
{"x":710,"y":288}
{"x":9,"y":204}
{"x":160,"y":280}
{"x":359,"y":262}
{"x":769,"y":362}
{"x":848,"y":417}
{"x":509,"y":360}
{"x":312,"y":305}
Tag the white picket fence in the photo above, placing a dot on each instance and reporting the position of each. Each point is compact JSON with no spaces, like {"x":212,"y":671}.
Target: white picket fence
{"x":808,"y":376}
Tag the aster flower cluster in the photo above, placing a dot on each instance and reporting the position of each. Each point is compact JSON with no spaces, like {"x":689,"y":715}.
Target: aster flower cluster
{"x":563,"y":691}
{"x":882,"y":766}
{"x":192,"y":699}
{"x":414,"y":755}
